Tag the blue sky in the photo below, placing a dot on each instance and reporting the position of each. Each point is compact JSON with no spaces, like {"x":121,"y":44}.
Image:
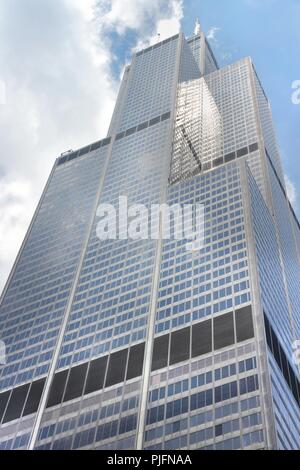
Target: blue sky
{"x":61,"y":62}
{"x":268,"y":32}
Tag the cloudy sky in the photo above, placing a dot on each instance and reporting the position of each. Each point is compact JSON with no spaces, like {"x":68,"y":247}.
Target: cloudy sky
{"x":60,"y":68}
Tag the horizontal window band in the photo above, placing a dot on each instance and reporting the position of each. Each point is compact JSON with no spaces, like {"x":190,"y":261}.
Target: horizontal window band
{"x":83,"y":151}
{"x":21,"y":401}
{"x":143,"y":125}
{"x":241,"y":152}
{"x":126,"y":364}
{"x":102,"y":143}
{"x":202,"y":338}
{"x":106,"y":371}
{"x":130,"y":131}
{"x":203,"y":167}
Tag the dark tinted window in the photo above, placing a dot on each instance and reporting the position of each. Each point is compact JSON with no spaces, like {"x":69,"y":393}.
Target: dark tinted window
{"x":268,"y":333}
{"x":142,"y":126}
{"x":116,"y":368}
{"x":242,"y":152}
{"x":96,"y":374}
{"x":96,"y":145}
{"x":218,"y":162}
{"x":120,"y":135}
{"x":135,"y":361}
{"x":3,"y":402}
{"x":57,"y":388}
{"x":285,"y":366}
{"x":72,"y":156}
{"x":201,"y":338}
{"x":62,"y":160}
{"x":16,"y":403}
{"x":180,"y":346}
{"x":229,"y":157}
{"x":160,"y":352}
{"x":75,"y":382}
{"x":295,"y":386}
{"x":244,"y":324}
{"x":166,"y":116}
{"x":84,"y":150}
{"x":223,"y":331}
{"x":154,"y":121}
{"x":106,"y":141}
{"x":131,"y":131}
{"x":276,"y":349}
{"x":34,"y":396}
{"x":253,"y":147}
{"x":298,"y":391}
{"x":282,"y":361}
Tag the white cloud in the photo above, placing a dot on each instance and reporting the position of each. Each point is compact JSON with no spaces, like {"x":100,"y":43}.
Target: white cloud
{"x":148,"y":18}
{"x":59,"y":95}
{"x":211,"y":34}
{"x":55,"y":60}
{"x":16,"y":205}
{"x":225,"y":53}
{"x":143,"y":16}
{"x":291,"y":191}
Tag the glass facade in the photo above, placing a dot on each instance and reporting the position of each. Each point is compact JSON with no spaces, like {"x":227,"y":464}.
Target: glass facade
{"x":140,"y":343}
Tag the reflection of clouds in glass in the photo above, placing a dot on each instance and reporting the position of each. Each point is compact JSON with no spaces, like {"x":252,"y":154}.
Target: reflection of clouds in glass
{"x":2,"y":352}
{"x":296,"y":354}
{"x":198,"y":135}
{"x":291,"y":190}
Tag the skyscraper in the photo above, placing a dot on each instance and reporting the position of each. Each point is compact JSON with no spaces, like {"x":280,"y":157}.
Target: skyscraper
{"x":140,"y":343}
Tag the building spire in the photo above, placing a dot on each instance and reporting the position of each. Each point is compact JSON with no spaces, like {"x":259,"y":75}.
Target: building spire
{"x":197,"y":29}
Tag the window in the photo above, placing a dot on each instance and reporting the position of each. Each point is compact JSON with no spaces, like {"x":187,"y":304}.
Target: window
{"x":201,"y":338}
{"x":135,"y":361}
{"x":223,"y":331}
{"x":180,"y":346}
{"x":16,"y":403}
{"x":76,"y":382}
{"x":160,"y":352}
{"x":96,"y":374}
{"x":244,"y":324}
{"x":116,"y":367}
{"x":57,"y":388}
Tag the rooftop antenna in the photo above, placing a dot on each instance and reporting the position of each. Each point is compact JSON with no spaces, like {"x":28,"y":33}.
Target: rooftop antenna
{"x":197,"y":29}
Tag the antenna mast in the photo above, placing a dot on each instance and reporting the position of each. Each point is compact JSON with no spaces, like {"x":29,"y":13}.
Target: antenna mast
{"x":197,"y":29}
